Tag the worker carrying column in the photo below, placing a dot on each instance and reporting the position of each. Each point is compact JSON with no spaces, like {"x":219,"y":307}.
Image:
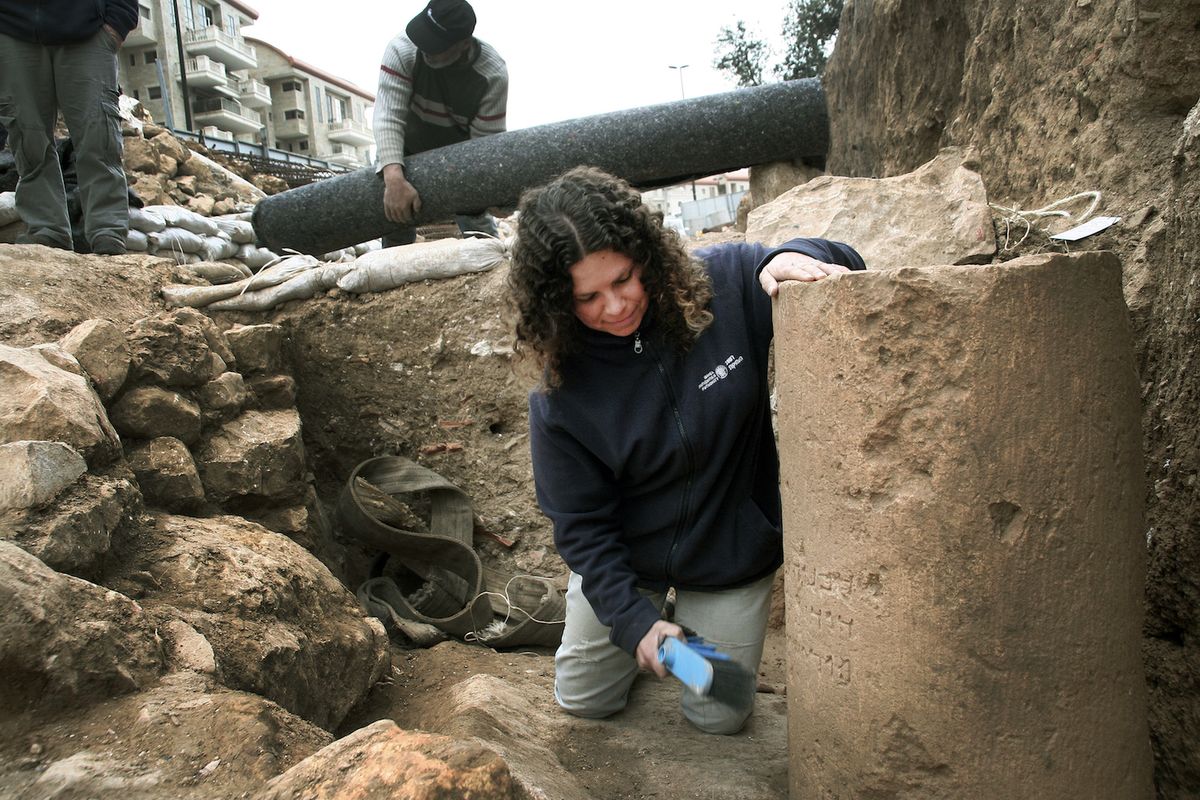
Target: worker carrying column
{"x":438,"y":85}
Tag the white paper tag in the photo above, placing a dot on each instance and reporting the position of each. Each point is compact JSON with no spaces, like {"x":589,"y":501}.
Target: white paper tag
{"x":1092,"y":226}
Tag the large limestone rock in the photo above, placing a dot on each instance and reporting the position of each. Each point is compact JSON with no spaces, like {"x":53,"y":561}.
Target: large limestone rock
{"x":258,"y":348}
{"x":187,"y":738}
{"x":77,"y":531}
{"x":935,"y":215}
{"x":43,"y":402}
{"x":279,"y":623}
{"x":33,"y":473}
{"x":172,"y":349}
{"x":149,"y":412}
{"x":167,"y":474}
{"x":222,"y":398}
{"x":99,"y":347}
{"x":259,"y":454}
{"x":65,"y":641}
{"x":383,"y":762}
{"x":964,"y":539}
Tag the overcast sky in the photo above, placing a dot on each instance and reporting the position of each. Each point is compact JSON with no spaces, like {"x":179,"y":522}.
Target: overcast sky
{"x":566,"y":58}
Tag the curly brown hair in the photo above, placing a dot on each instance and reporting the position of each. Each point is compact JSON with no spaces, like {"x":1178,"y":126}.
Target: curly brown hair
{"x":583,"y":211}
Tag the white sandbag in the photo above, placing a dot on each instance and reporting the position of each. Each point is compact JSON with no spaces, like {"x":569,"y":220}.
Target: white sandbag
{"x":239,"y":230}
{"x":201,"y":296}
{"x":136,"y":240}
{"x":385,"y":269}
{"x":216,"y":248}
{"x":367,"y":247}
{"x":301,"y":287}
{"x":146,"y":221}
{"x":219,"y":273}
{"x":178,"y":240}
{"x":255,"y":257}
{"x":180,"y":217}
{"x":8,"y":208}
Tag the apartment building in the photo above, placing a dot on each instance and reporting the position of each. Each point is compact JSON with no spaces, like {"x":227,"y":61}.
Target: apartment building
{"x":671,"y":199}
{"x":313,"y":112}
{"x":240,"y":88}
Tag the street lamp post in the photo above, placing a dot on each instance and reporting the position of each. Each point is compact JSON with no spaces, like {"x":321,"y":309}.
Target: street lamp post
{"x":682,"y":96}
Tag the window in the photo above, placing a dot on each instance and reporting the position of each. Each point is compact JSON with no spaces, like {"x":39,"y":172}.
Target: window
{"x":151,"y":56}
{"x":293,"y":113}
{"x":132,"y":60}
{"x":154,"y":92}
{"x":144,"y":11}
{"x":304,"y":144}
{"x":291,"y":86}
{"x":204,"y":15}
{"x":278,"y":145}
{"x":337,"y":108}
{"x":189,"y":15}
{"x":231,"y":24}
{"x":317,"y":105}
{"x":136,"y":96}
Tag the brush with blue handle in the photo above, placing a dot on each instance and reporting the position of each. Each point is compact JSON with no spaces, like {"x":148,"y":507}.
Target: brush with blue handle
{"x":706,"y":671}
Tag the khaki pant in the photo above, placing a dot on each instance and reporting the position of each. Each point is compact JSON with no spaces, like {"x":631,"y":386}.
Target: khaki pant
{"x":80,"y":79}
{"x":592,"y":676}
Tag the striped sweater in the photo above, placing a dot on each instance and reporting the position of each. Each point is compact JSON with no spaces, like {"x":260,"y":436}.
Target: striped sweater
{"x":418,"y":108}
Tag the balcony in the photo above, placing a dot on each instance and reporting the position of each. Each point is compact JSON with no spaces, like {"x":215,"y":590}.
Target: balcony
{"x":146,"y":33}
{"x":255,"y":94}
{"x":203,"y":72}
{"x":224,"y":114}
{"x":216,"y":43}
{"x":343,"y":160}
{"x":350,"y":132}
{"x":291,"y":129}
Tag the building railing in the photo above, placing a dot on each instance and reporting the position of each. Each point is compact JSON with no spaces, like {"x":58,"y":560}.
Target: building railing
{"x":209,"y":104}
{"x":205,"y":64}
{"x":213,"y":33}
{"x":349,"y":125}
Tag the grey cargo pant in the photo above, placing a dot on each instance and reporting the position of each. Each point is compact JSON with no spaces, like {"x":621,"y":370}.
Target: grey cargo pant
{"x":80,"y":79}
{"x":592,"y":676}
{"x":483,"y":222}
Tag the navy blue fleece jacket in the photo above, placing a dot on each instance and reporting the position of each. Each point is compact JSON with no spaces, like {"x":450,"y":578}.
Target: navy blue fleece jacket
{"x":659,"y":468}
{"x":55,"y":22}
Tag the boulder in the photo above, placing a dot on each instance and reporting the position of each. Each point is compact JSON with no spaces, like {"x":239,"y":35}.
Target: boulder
{"x":187,"y":649}
{"x":64,"y":641}
{"x":172,"y":349}
{"x":99,"y":347}
{"x":259,"y":454}
{"x":167,"y":474}
{"x":33,"y":473}
{"x":42,"y":402}
{"x":168,"y":145}
{"x":149,"y":412}
{"x":383,"y":762}
{"x":76,"y":532}
{"x":186,"y":738}
{"x":273,"y":391}
{"x":279,"y":623}
{"x":223,"y":397}
{"x":201,"y":204}
{"x":935,"y":215}
{"x":140,"y":156}
{"x":768,"y":181}
{"x":257,"y":348}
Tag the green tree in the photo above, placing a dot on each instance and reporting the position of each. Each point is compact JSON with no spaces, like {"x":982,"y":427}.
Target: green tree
{"x":740,"y":55}
{"x":809,"y":28}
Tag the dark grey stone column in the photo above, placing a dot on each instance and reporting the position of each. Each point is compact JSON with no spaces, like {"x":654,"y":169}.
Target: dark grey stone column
{"x":649,"y":147}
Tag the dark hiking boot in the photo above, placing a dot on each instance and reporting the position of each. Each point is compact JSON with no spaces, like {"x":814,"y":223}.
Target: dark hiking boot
{"x":109,"y":246}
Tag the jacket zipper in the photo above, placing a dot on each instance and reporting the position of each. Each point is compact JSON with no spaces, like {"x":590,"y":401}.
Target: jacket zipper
{"x":637,"y":342}
{"x":684,"y":501}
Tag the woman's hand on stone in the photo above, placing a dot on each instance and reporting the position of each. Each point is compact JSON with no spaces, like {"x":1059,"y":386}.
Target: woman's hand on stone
{"x":794,"y":267}
{"x":647,"y":649}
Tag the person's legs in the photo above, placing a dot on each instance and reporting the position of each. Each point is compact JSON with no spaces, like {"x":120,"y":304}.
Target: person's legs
{"x":85,"y":76}
{"x":402,"y":235}
{"x":592,"y":676}
{"x":474,"y":224}
{"x":735,"y":621}
{"x":28,"y":111}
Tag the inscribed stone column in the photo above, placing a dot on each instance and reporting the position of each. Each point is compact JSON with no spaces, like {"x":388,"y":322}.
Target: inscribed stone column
{"x":963,"y":486}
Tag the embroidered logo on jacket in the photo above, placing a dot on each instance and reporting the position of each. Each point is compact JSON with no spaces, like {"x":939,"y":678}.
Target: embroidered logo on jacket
{"x":720,"y":372}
